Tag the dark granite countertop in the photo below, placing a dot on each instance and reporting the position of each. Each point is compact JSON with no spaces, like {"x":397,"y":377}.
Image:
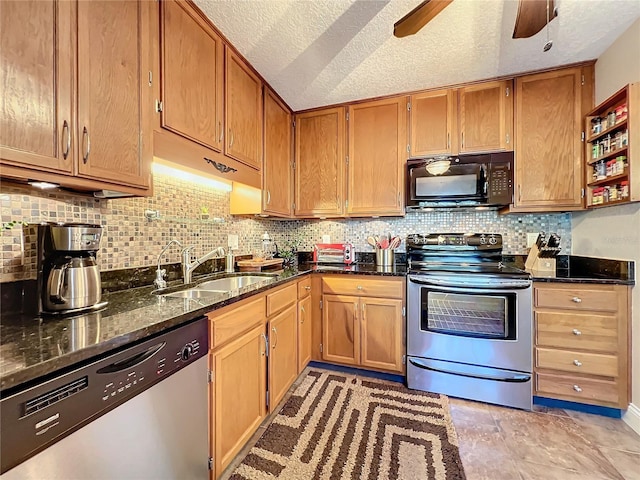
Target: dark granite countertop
{"x":32,"y":348}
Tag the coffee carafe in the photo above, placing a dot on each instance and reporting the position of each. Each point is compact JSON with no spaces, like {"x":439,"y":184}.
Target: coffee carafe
{"x":68,"y":274}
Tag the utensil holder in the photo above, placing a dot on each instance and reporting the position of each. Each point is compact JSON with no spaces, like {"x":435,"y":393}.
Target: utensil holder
{"x":385,"y":257}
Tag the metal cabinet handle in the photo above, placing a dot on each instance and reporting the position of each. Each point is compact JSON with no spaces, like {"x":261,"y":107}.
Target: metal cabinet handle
{"x":221,"y":131}
{"x":302,"y":316}
{"x":307,"y":288}
{"x":268,"y":197}
{"x":576,"y":300}
{"x":66,"y":132}
{"x":462,"y":140}
{"x":275,"y":334}
{"x":230,"y":138}
{"x":577,"y":332}
{"x":577,"y":388}
{"x":448,"y":140}
{"x":86,"y":141}
{"x":398,"y":198}
{"x":266,"y":344}
{"x":577,"y":363}
{"x":519,"y":192}
{"x":359,"y":287}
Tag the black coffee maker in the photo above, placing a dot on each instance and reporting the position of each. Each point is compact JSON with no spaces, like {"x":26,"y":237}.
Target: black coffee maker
{"x":68,"y":276}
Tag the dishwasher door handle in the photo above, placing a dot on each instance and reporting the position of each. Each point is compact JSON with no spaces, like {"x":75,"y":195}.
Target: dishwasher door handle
{"x":133,"y":360}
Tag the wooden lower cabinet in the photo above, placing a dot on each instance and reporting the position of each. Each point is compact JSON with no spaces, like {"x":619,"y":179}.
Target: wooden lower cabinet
{"x":304,"y":332}
{"x":283,"y":364}
{"x":341,"y":329}
{"x":238,"y":394}
{"x":582,"y":343}
{"x":381,"y":333}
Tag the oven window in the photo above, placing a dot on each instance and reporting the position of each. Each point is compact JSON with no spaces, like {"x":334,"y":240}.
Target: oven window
{"x":469,"y":315}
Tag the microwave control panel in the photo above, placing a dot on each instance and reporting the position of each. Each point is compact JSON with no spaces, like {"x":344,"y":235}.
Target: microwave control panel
{"x":500,"y":183}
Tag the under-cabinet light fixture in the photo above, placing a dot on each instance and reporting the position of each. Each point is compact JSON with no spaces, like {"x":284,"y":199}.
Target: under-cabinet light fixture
{"x":43,"y":185}
{"x":163,"y":168}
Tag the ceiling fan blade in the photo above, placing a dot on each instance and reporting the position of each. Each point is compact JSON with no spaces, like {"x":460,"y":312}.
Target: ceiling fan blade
{"x":417,"y":18}
{"x":532,"y":17}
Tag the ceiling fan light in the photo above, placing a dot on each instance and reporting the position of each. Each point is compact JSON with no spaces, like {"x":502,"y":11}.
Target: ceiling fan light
{"x":438,"y":167}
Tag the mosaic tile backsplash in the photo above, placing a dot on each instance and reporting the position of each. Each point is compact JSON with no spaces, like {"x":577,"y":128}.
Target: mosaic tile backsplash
{"x":199,"y":215}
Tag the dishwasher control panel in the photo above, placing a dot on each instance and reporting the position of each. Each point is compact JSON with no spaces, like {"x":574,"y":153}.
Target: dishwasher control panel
{"x":41,"y":415}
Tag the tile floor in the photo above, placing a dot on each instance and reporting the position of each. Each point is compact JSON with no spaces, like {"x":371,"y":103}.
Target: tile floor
{"x":498,"y":443}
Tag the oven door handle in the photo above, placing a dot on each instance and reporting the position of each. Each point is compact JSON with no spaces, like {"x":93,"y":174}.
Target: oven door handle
{"x":511,"y":378}
{"x":500,"y":284}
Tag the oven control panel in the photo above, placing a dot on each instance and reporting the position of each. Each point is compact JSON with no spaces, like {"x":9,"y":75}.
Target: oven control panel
{"x":478,"y":240}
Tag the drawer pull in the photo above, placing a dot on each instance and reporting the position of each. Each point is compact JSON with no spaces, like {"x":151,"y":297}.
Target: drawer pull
{"x":577,"y":332}
{"x":576,"y":300}
{"x":577,"y":388}
{"x":307,"y":288}
{"x":577,"y":363}
{"x":359,"y":287}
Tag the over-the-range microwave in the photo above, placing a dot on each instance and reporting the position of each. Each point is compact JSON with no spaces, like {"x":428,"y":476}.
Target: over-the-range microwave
{"x":481,"y":180}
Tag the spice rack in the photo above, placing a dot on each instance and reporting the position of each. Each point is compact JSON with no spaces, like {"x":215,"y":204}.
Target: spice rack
{"x":612,"y":173}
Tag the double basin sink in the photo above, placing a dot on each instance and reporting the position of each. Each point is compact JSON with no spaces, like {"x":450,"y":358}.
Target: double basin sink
{"x":220,"y":285}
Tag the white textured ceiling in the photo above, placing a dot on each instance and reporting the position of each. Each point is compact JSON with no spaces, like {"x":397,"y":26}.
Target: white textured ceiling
{"x":322,"y":52}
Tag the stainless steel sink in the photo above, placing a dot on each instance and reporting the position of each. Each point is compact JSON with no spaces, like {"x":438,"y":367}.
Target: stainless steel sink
{"x":192,"y":293}
{"x":232,"y":283}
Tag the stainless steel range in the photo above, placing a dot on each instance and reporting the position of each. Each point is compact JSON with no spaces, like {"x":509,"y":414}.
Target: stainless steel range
{"x":469,"y":320}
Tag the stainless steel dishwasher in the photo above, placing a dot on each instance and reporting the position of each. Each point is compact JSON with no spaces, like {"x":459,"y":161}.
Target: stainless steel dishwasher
{"x":140,"y":413}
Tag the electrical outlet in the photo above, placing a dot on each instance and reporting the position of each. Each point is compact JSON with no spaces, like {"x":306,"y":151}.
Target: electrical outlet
{"x":232,"y":242}
{"x":326,"y":238}
{"x":531,"y":239}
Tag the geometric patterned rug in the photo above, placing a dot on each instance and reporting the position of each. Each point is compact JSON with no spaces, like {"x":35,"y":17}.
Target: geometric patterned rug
{"x":343,"y":427}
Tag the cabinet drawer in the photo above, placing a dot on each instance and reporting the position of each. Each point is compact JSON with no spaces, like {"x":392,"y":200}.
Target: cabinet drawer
{"x":577,"y":299}
{"x":577,"y":362}
{"x":577,"y":330}
{"x":369,"y":287}
{"x":586,"y":390}
{"x":236,"y":320}
{"x":284,"y":297}
{"x":304,"y":287}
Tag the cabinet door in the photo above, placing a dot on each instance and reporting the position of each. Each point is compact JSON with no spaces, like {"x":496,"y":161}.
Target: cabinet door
{"x":486,"y":117}
{"x":192,"y":76}
{"x":112,"y":61}
{"x":377,"y":153}
{"x":320,"y":159}
{"x":277,"y":172}
{"x":341,"y":329}
{"x":283,"y":357}
{"x":35,"y":74}
{"x":549,"y":148}
{"x":243,"y":112}
{"x":305,"y":332}
{"x":382,"y":324}
{"x":240,"y":372}
{"x":432,"y":122}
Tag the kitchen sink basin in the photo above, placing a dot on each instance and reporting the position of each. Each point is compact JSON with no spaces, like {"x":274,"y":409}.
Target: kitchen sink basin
{"x":192,"y":293}
{"x":230,"y":283}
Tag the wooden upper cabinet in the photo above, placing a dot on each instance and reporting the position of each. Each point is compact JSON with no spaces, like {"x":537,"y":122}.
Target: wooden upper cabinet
{"x":549,"y":147}
{"x":243,"y":112}
{"x":485,"y":117}
{"x":277,"y":172}
{"x":112,"y":56}
{"x":377,"y":153}
{"x":432,"y":122}
{"x":320,"y":159}
{"x":192,"y":76}
{"x":35,"y":74}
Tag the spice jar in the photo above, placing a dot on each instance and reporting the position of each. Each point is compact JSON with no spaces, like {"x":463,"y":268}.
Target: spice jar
{"x":624,"y":189}
{"x":613,"y":193}
{"x":596,"y":125}
{"x":621,"y":113}
{"x":596,"y":196}
{"x":624,"y":139}
{"x":601,"y":169}
{"x":611,"y":118}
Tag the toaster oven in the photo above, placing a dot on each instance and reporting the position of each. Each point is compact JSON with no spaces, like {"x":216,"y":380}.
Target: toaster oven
{"x":342,"y":253}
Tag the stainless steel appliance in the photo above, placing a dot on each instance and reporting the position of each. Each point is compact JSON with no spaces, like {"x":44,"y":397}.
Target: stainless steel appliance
{"x":463,"y":181}
{"x":140,"y":413}
{"x":469,"y":320}
{"x":68,"y":275}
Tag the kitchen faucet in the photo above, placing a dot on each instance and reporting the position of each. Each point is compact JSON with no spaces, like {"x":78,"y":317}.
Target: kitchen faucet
{"x":188,"y":267}
{"x":160,"y":282}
